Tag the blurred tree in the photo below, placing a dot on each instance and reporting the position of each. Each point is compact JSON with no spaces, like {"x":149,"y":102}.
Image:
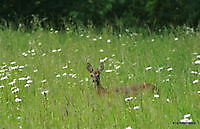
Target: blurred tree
{"x":100,"y":12}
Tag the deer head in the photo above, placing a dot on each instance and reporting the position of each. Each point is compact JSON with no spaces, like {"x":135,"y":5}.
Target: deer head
{"x":95,"y":74}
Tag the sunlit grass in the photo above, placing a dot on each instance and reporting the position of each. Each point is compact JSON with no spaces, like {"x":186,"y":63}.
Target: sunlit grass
{"x":55,"y":89}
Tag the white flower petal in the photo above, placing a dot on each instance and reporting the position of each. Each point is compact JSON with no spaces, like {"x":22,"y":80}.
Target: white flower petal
{"x":148,"y":68}
{"x":18,"y":100}
{"x":197,"y":62}
{"x":156,"y":96}
{"x":187,"y":115}
{"x":129,"y":127}
{"x":136,"y":107}
{"x":108,"y":71}
{"x":195,"y":81}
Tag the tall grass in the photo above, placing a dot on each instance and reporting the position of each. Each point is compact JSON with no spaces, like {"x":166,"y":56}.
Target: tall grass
{"x":56,"y":91}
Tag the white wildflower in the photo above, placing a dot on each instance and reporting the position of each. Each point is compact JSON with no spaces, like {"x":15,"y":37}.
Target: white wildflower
{"x":108,"y":71}
{"x":58,"y":75}
{"x":167,"y":80}
{"x":44,"y":54}
{"x":67,"y":28}
{"x":148,"y":68}
{"x":176,"y":39}
{"x":72,"y":75}
{"x":187,"y":115}
{"x":104,"y":59}
{"x":117,"y":67}
{"x":108,"y":41}
{"x":127,"y":30}
{"x":1,"y":86}
{"x":86,"y":79}
{"x":194,"y":53}
{"x":186,"y":120}
{"x":136,"y":107}
{"x":156,"y":96}
{"x":54,"y":51}
{"x":39,"y":44}
{"x":18,"y":100}
{"x":43,"y":81}
{"x":129,"y":127}
{"x":65,"y":67}
{"x":195,"y":81}
{"x":198,"y":92}
{"x":197,"y":62}
{"x":94,"y":39}
{"x":44,"y":92}
{"x":14,"y":90}
{"x":130,"y":76}
{"x":64,"y":74}
{"x":24,"y":54}
{"x":33,"y":51}
{"x":35,"y":70}
{"x":12,"y":63}
{"x":3,"y":70}
{"x":22,"y":78}
{"x":159,"y":69}
{"x":29,"y":81}
{"x":59,"y":50}
{"x":28,"y":77}
{"x":194,"y":72}
{"x":169,"y":69}
{"x":14,"y":67}
{"x":168,"y":100}
{"x":19,"y":117}
{"x":129,"y":98}
{"x":21,"y":67}
{"x":12,"y":83}
{"x":27,"y":85}
{"x":198,"y":56}
{"x":101,"y":50}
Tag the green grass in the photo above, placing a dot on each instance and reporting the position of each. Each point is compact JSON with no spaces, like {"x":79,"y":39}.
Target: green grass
{"x":71,"y":101}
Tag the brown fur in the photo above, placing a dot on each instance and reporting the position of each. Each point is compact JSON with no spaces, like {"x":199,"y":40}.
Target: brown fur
{"x":130,"y":90}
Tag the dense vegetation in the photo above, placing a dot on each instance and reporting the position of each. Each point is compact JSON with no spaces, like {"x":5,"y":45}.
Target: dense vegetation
{"x":46,"y":44}
{"x":100,"y":12}
{"x":44,"y":82}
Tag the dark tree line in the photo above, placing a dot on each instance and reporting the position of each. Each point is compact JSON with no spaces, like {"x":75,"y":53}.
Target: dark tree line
{"x":101,"y":12}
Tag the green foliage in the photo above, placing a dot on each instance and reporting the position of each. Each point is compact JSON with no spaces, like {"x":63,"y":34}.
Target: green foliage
{"x":154,"y":13}
{"x":56,"y":62}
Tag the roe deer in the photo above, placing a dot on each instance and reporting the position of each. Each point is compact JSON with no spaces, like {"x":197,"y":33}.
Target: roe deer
{"x":127,"y":90}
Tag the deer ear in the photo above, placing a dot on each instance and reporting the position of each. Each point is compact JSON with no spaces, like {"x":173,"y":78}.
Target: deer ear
{"x":89,"y":67}
{"x":101,"y":67}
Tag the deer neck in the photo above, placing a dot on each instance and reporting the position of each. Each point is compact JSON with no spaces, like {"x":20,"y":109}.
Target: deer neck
{"x":98,"y":85}
{"x":100,"y":89}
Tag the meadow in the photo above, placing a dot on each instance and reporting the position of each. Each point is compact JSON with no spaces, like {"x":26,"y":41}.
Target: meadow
{"x":44,"y":83}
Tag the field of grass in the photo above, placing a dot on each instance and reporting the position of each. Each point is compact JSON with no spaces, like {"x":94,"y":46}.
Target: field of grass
{"x":44,"y":83}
